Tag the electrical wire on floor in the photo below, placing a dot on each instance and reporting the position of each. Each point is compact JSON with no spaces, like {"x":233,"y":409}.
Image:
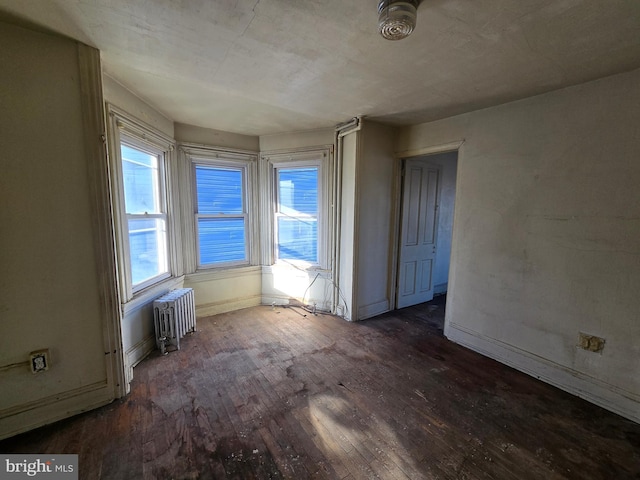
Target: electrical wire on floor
{"x":297,"y":308}
{"x":313,"y":309}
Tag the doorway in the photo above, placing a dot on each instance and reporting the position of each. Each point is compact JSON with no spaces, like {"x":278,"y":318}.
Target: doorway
{"x":426,"y":227}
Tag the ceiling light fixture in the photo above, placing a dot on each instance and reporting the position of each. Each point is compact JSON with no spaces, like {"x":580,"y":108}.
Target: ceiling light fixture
{"x":397,"y":18}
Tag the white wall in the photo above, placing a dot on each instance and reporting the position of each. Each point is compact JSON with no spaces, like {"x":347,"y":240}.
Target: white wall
{"x":546,"y":235}
{"x":128,"y":101}
{"x":51,"y":295}
{"x":217,"y":138}
{"x":220,"y":291}
{"x":290,"y":141}
{"x":375,"y":202}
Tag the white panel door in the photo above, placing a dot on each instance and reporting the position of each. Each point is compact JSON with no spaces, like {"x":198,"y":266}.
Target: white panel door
{"x":418,"y":233}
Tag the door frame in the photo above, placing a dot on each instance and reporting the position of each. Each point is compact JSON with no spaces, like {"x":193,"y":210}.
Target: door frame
{"x":396,"y":232}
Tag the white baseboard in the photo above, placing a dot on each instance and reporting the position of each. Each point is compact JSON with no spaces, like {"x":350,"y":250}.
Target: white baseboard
{"x":603,"y":394}
{"x":135,"y":355}
{"x":50,"y":409}
{"x":373,"y":309}
{"x":277,"y":299}
{"x":284,"y":300}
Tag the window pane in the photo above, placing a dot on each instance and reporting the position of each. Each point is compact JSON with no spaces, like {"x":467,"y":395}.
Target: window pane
{"x":221,"y":240}
{"x":219,"y":190}
{"x":297,"y":239}
{"x":141,"y":181}
{"x":298,"y":190}
{"x":147,"y":247}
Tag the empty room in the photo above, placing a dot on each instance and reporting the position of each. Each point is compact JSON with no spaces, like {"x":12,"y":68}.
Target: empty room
{"x":338,"y":239}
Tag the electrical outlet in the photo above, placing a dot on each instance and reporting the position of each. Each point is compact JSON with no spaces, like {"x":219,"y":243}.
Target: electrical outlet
{"x":590,"y":342}
{"x":39,"y":360}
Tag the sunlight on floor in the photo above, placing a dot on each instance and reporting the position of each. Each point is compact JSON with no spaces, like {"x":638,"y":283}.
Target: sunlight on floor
{"x":343,"y":434}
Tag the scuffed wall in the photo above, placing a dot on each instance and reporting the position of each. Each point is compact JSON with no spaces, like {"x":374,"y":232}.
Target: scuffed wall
{"x":50,"y":294}
{"x":545,"y":242}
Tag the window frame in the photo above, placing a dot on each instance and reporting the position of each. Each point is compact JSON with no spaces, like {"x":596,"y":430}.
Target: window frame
{"x":244,"y":215}
{"x":128,"y":131}
{"x":277,"y":213}
{"x":162,"y":214}
{"x":322,"y":158}
{"x":244,"y":161}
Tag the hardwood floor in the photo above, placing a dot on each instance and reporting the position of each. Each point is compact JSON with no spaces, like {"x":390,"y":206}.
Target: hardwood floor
{"x":280,"y":393}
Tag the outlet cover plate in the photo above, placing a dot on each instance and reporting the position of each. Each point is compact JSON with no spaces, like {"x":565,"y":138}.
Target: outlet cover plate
{"x":39,"y":361}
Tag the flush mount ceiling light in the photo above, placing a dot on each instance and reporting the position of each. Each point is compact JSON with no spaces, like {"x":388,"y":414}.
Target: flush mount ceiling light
{"x":397,"y":18}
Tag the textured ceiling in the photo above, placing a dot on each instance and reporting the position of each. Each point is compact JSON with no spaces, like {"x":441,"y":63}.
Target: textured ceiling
{"x":270,"y":66}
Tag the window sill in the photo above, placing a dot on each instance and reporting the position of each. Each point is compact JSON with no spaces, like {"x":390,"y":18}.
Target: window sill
{"x":146,"y":296}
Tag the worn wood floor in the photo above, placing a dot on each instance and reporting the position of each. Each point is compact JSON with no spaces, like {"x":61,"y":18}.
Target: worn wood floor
{"x":280,"y":393}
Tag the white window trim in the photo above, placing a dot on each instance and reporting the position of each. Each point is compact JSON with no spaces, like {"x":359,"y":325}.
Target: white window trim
{"x":321,"y":157}
{"x":277,"y":214}
{"x":124,"y":128}
{"x":194,"y":154}
{"x":136,"y":144}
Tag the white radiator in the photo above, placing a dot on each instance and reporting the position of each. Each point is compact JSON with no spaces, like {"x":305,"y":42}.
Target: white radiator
{"x":174,"y":315}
